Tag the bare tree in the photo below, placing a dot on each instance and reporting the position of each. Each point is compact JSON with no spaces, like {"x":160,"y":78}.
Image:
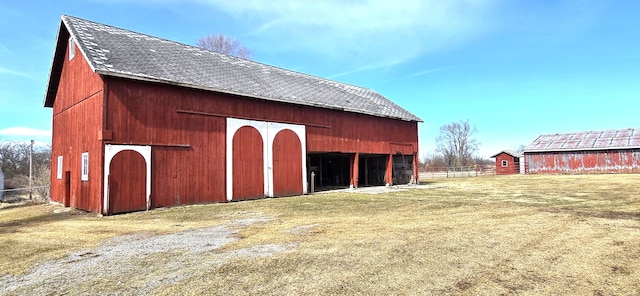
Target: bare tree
{"x":456,"y":143}
{"x":14,"y":159}
{"x":518,"y":148}
{"x":432,"y":161}
{"x":41,"y":181}
{"x":220,"y":43}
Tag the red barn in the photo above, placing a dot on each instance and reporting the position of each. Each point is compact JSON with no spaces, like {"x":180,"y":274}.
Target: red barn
{"x":507,"y":162}
{"x":610,"y":151}
{"x":141,"y":122}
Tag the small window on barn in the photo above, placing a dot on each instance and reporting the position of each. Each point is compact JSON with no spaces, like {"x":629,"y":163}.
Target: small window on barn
{"x":72,"y":49}
{"x":85,"y":167}
{"x":59,"y":168}
{"x":505,"y":163}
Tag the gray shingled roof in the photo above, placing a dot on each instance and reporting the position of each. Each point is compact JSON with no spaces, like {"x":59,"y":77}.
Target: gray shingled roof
{"x":593,"y":140}
{"x":116,"y":52}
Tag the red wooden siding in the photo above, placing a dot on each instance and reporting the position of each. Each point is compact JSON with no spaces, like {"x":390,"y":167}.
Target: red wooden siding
{"x":127,"y":181}
{"x":133,"y":107}
{"x":77,"y":121}
{"x":147,"y":113}
{"x":77,"y":83}
{"x":248,"y":164}
{"x":402,"y":148}
{"x":513,"y":164}
{"x":188,"y":151}
{"x":583,"y":162}
{"x":287,"y":164}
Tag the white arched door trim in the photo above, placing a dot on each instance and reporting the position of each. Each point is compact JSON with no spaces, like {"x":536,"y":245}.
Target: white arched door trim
{"x":233,"y":125}
{"x":268,"y":131}
{"x":299,"y":130}
{"x":110,"y":152}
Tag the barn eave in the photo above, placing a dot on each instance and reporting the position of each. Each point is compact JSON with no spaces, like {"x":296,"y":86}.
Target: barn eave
{"x":582,"y":149}
{"x":138,"y":77}
{"x":508,"y":152}
{"x":56,"y":66}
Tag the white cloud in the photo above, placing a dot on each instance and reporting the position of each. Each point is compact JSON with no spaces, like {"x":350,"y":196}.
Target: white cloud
{"x":424,"y":72}
{"x":12,"y":72}
{"x":24,"y":132}
{"x":369,"y":32}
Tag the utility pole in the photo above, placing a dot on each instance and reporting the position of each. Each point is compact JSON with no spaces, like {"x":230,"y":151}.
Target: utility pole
{"x":30,"y":170}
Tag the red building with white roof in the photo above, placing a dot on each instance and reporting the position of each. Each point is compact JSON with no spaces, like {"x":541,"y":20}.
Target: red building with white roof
{"x":507,"y":162}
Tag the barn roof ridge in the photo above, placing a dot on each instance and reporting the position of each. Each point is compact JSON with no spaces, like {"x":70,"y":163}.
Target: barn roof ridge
{"x":209,"y":51}
{"x":113,"y":51}
{"x":611,"y":139}
{"x":508,"y":151}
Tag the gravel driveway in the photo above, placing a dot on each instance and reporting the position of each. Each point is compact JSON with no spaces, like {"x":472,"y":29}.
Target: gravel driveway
{"x":137,"y":263}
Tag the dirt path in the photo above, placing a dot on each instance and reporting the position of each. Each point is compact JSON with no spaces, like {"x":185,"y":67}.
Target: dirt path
{"x":137,"y":263}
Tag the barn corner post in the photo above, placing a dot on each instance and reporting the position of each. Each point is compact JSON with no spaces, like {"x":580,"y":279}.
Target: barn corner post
{"x":103,"y":138}
{"x":105,"y":178}
{"x":416,"y":172}
{"x":354,"y":170}
{"x":389,"y":172}
{"x":104,"y":185}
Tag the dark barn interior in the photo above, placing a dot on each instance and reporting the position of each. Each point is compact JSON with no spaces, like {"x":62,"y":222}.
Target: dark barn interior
{"x":372,"y":169}
{"x":332,"y":170}
{"x":402,"y":169}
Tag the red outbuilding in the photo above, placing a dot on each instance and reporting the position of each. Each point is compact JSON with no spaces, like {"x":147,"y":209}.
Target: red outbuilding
{"x":609,"y":151}
{"x":141,"y":122}
{"x":507,"y":162}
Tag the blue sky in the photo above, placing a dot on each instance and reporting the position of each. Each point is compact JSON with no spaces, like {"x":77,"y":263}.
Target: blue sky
{"x":514,"y":68}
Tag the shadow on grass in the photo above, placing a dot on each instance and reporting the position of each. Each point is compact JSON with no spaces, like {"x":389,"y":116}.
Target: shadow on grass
{"x":18,"y":204}
{"x":46,"y":216}
{"x":596,"y":214}
{"x":427,"y":182}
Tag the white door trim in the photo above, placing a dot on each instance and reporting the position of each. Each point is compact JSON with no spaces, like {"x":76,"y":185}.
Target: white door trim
{"x":268,"y":131}
{"x":299,"y":130}
{"x":110,"y":152}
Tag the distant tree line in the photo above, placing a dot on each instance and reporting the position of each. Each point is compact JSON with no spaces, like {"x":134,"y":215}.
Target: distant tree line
{"x":14,"y":162}
{"x":437,"y":161}
{"x":456,"y":146}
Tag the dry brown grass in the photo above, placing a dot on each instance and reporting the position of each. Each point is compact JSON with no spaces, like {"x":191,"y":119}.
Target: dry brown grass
{"x":526,"y":235}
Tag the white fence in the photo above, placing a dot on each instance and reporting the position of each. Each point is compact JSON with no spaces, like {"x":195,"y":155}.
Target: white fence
{"x":37,"y":190}
{"x":457,"y":172}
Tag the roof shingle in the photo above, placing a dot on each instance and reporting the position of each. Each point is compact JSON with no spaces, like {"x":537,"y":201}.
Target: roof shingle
{"x":113,"y":51}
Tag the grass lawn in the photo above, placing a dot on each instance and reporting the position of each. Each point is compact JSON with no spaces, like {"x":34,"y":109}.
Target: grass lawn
{"x":492,"y":235}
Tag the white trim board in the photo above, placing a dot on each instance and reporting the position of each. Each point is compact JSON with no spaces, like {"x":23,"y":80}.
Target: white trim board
{"x":110,"y":152}
{"x":268,"y":131}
